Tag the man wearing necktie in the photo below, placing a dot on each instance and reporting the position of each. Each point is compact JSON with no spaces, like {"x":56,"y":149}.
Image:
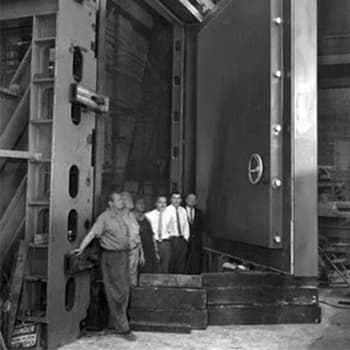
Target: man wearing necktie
{"x":179,"y":233}
{"x":160,"y":222}
{"x":195,"y":245}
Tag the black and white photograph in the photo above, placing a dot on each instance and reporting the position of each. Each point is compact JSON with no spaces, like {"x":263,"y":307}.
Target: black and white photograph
{"x":174,"y":174}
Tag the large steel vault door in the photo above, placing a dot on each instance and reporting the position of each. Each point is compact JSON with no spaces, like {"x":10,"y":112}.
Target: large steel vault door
{"x":248,"y":105}
{"x":251,"y":144}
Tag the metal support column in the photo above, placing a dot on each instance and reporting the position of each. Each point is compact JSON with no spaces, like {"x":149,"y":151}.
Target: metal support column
{"x":177,"y":109}
{"x":60,"y":182}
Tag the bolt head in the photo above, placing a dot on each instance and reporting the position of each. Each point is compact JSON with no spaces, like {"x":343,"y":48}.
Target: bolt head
{"x":278,"y":74}
{"x":277,"y":239}
{"x":276,"y":183}
{"x":278,"y":20}
{"x":277,"y":129}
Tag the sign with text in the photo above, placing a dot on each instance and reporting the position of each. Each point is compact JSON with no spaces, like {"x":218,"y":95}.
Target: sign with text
{"x":25,"y":336}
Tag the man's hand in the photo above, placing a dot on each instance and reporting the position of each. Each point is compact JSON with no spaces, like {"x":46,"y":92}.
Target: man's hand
{"x":157,"y":257}
{"x":77,"y":251}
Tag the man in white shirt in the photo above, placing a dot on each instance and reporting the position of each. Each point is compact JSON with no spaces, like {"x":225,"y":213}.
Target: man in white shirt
{"x":160,"y":223}
{"x":179,"y":233}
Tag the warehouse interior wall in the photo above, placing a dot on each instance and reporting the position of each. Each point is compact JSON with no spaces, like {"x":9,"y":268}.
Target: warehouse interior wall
{"x":333,"y":122}
{"x":138,"y":70}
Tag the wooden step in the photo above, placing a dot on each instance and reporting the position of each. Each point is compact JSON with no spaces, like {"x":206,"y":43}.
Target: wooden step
{"x":254,"y":278}
{"x":168,"y":298}
{"x":160,"y":327}
{"x":269,"y":295}
{"x":197,"y":319}
{"x":170,"y":280}
{"x":220,"y":315}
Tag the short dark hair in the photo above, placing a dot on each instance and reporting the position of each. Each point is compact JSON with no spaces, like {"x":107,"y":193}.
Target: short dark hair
{"x":162,"y":196}
{"x":191,"y":194}
{"x":138,"y":197}
{"x":109,"y":196}
{"x":175,"y":193}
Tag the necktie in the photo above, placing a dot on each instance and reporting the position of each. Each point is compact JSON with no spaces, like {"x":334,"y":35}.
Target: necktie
{"x":160,"y":225}
{"x":189,"y":215}
{"x":192,"y":215}
{"x":178,"y":222}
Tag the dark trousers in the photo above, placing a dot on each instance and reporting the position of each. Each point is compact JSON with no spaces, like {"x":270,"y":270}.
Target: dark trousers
{"x":116,"y":280}
{"x":164,"y":250}
{"x":194,"y":258}
{"x":178,"y":255}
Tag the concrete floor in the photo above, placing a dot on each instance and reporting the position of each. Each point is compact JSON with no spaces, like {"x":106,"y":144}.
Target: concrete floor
{"x":332,"y":334}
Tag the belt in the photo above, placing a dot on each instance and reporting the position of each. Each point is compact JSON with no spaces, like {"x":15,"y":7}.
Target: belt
{"x":170,"y":238}
{"x":163,"y":240}
{"x":120,"y":250}
{"x":115,"y":250}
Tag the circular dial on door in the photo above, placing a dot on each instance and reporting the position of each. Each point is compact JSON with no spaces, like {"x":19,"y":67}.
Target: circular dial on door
{"x":255,"y":168}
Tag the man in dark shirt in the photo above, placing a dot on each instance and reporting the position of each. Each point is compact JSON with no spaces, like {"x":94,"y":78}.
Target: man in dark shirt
{"x":195,"y":244}
{"x":149,"y":244}
{"x":112,"y":232}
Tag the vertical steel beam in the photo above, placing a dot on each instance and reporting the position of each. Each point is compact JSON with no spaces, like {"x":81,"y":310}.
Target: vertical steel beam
{"x":68,"y":296}
{"x":304,"y":137}
{"x":277,"y":125}
{"x":189,"y":163}
{"x":100,"y":120}
{"x":177,"y":108}
{"x":54,"y":195}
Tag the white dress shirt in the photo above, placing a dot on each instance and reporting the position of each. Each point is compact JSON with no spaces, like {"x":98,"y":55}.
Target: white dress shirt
{"x":153,"y":217}
{"x":184,"y":225}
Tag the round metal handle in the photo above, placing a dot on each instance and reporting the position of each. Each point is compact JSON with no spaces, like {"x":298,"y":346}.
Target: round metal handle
{"x":255,"y":168}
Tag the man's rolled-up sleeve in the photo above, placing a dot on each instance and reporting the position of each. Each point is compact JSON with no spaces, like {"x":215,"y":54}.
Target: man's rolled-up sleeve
{"x":99,"y":226}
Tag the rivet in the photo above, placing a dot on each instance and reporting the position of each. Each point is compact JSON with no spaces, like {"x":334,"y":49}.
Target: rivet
{"x":277,"y":74}
{"x":277,"y":239}
{"x":277,"y":129}
{"x":276,"y":183}
{"x":278,"y":20}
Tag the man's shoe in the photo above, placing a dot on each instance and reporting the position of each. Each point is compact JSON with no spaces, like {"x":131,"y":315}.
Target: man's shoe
{"x":128,"y":335}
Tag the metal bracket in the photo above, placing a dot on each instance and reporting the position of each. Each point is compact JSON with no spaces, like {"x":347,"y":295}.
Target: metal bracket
{"x":4,"y":153}
{"x":89,"y":99}
{"x":75,"y":264}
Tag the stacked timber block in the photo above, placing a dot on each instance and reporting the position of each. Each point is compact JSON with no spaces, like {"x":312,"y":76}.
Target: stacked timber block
{"x":170,"y":303}
{"x":260,"y":298}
